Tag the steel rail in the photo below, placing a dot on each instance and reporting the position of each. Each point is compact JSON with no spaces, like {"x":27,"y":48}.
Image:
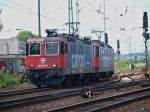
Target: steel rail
{"x":34,"y":90}
{"x":7,"y":104}
{"x":21,"y":92}
{"x":100,"y":104}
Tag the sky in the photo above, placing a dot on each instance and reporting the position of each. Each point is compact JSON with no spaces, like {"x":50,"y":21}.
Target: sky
{"x":121,"y":14}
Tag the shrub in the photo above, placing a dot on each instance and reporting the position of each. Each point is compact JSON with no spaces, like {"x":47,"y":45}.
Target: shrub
{"x":7,"y":79}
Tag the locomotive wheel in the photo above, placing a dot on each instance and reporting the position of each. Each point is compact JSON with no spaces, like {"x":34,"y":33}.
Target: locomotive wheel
{"x":39,"y":86}
{"x":57,"y":81}
{"x":66,"y":83}
{"x":86,"y":79}
{"x":42,"y":85}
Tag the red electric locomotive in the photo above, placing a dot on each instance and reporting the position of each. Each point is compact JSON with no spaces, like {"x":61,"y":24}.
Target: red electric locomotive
{"x":60,"y":59}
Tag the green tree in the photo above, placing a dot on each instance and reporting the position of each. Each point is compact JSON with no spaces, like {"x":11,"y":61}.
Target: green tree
{"x":25,"y":35}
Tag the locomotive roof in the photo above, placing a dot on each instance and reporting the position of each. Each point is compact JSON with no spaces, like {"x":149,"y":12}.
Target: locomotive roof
{"x":47,"y":39}
{"x":61,"y":38}
{"x":35,"y":39}
{"x":69,"y":39}
{"x":102,"y":44}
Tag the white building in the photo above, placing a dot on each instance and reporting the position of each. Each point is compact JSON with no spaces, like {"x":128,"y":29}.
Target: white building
{"x":11,"y":46}
{"x":12,"y":53}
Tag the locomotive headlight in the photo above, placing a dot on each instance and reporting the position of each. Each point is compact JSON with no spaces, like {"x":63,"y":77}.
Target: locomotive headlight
{"x":31,"y":66}
{"x":54,"y":65}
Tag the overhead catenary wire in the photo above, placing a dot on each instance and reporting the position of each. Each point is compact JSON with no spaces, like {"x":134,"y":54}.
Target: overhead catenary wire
{"x":83,"y":4}
{"x":16,"y":4}
{"x":27,"y":11}
{"x":87,"y":4}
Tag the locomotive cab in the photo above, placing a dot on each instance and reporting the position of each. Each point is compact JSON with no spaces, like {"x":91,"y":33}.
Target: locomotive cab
{"x":43,"y":55}
{"x":45,"y":58}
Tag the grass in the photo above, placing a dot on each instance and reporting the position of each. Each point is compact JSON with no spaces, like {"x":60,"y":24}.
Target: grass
{"x":124,"y":65}
{"x":7,"y":80}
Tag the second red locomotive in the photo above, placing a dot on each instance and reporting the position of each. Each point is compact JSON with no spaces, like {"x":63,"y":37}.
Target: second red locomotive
{"x":60,"y":59}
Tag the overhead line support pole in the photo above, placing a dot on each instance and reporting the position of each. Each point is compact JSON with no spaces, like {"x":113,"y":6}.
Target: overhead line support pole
{"x":69,"y":17}
{"x":39,"y":19}
{"x":104,"y":18}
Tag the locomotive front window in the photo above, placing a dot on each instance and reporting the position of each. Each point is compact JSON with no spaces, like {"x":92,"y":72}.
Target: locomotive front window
{"x":52,"y":48}
{"x":35,"y":49}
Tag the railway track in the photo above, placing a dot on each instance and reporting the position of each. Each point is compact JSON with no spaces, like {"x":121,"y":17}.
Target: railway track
{"x":34,"y":90}
{"x":129,"y":75}
{"x":101,"y":104}
{"x":7,"y":104}
{"x":8,"y":94}
{"x":21,"y":101}
{"x":21,"y":92}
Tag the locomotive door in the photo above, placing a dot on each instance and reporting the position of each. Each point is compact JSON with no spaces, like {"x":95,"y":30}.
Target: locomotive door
{"x":96,"y":62}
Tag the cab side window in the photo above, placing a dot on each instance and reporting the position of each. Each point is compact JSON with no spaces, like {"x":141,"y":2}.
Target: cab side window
{"x":97,"y":51}
{"x":62,"y":48}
